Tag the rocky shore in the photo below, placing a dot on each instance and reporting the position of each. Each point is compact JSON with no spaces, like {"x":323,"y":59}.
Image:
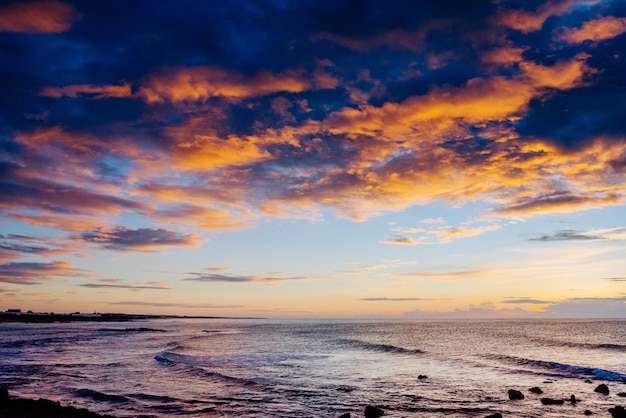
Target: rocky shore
{"x":41,"y":408}
{"x":44,"y":408}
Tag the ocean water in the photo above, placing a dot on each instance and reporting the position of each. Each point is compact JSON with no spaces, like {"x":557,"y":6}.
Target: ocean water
{"x":317,"y":368}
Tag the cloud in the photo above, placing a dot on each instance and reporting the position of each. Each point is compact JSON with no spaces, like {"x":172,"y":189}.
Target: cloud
{"x":594,"y":30}
{"x":224,"y":278}
{"x":450,"y":234}
{"x":133,"y":287}
{"x":97,"y":92}
{"x":567,"y":235}
{"x":205,"y":218}
{"x":400,"y":240}
{"x":126,"y":239}
{"x":47,"y":16}
{"x":482,"y":311}
{"x":60,"y":198}
{"x":527,"y":21}
{"x":558,"y":202}
{"x":430,"y":221}
{"x":526,"y":301}
{"x":32,"y":273}
{"x":202,"y":83}
{"x":14,"y":246}
{"x":588,"y":308}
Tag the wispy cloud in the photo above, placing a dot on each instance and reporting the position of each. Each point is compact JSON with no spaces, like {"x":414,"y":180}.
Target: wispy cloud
{"x":46,"y":16}
{"x":400,"y":240}
{"x":126,"y":239}
{"x":526,"y":301}
{"x":567,"y":235}
{"x":104,"y":284}
{"x":224,"y":278}
{"x":31,"y":273}
{"x":594,"y":30}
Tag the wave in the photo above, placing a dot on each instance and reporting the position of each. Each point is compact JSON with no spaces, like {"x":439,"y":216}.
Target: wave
{"x":382,"y":348}
{"x":139,"y":329}
{"x":227,"y":360}
{"x":153,"y":398}
{"x":572,"y":344}
{"x":565,"y":370}
{"x":99,"y":396}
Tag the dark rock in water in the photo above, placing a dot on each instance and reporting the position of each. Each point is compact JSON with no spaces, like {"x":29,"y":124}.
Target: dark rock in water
{"x":573,"y":399}
{"x":346,"y":415}
{"x":4,"y":394}
{"x":588,"y":381}
{"x":536,"y":390}
{"x":515,"y":395}
{"x":373,"y":412}
{"x":588,"y":412}
{"x":622,"y":394}
{"x":550,"y":401}
{"x":42,"y":408}
{"x":603,"y":389}
{"x":422,"y":376}
{"x":496,"y":415}
{"x":618,"y":412}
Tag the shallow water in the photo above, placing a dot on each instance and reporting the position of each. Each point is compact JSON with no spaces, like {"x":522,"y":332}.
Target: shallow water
{"x":288,"y":368}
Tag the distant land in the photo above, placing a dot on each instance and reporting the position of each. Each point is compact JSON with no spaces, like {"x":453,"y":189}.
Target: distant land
{"x":16,"y":315}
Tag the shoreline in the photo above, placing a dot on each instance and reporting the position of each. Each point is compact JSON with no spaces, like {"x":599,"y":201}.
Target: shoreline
{"x":106,"y":317}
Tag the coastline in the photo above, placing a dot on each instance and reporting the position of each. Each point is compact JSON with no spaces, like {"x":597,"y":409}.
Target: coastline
{"x":106,"y":317}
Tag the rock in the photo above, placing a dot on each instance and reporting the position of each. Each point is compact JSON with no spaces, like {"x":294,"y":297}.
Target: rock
{"x":550,"y":401}
{"x":618,"y":412}
{"x":603,"y":389}
{"x":588,"y":381}
{"x":573,"y":399}
{"x":422,"y":376}
{"x":588,"y":412}
{"x":496,"y":415}
{"x":622,"y":394}
{"x":346,"y":415}
{"x":4,"y":394}
{"x":536,"y":390}
{"x":515,"y":395}
{"x":373,"y":412}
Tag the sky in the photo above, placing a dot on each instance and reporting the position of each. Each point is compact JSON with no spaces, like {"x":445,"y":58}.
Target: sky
{"x":277,"y":158}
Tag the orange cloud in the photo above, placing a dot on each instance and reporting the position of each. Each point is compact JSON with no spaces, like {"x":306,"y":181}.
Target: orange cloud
{"x":29,"y":273}
{"x":201,"y":83}
{"x":594,"y":30}
{"x":61,"y":222}
{"x":400,"y":240}
{"x":526,"y":21}
{"x":98,"y":92}
{"x":47,"y":16}
{"x":205,"y":218}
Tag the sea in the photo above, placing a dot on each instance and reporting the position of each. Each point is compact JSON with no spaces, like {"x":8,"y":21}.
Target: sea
{"x":318,"y":368}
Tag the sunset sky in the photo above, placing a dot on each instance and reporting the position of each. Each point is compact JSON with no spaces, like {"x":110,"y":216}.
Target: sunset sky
{"x":277,"y":158}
